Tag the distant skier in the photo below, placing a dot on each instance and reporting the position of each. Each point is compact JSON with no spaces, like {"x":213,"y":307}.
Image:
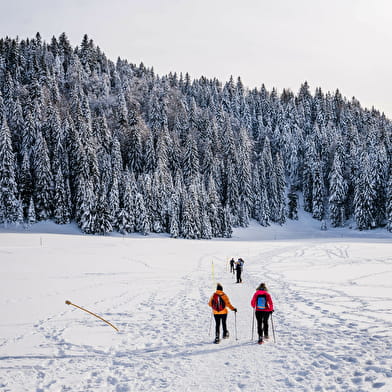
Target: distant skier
{"x":263,"y":307}
{"x":232,"y":262}
{"x":219,"y":303}
{"x":239,"y":265}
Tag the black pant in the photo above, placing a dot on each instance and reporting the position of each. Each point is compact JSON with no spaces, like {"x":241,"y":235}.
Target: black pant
{"x":232,"y":268}
{"x":218,"y":318}
{"x":262,"y":323}
{"x":239,"y":271}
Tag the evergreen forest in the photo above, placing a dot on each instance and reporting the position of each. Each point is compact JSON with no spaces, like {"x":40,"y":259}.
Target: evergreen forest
{"x":113,"y":146}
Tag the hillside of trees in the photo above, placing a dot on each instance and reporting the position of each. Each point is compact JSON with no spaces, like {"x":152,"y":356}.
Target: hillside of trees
{"x":115,"y":147}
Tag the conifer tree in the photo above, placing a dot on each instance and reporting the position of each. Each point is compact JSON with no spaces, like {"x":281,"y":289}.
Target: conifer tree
{"x":308,"y":176}
{"x":135,"y":149}
{"x":190,"y":162}
{"x":214,"y":208}
{"x":364,"y":197}
{"x":205,"y":223}
{"x":245,"y":179}
{"x":188,"y":224}
{"x":227,"y":230}
{"x":318,"y":194}
{"x":293,"y":205}
{"x":61,"y":213}
{"x":338,"y":193}
{"x":103,"y":216}
{"x":8,"y":185}
{"x":43,"y":181}
{"x":149,"y":154}
{"x":174,"y":223}
{"x":261,"y":202}
{"x":389,"y":202}
{"x":31,"y":218}
{"x":86,"y":206}
{"x":141,"y":216}
{"x":281,"y":190}
{"x":125,"y":219}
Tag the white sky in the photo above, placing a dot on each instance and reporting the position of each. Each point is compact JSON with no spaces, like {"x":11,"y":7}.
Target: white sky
{"x":343,"y":44}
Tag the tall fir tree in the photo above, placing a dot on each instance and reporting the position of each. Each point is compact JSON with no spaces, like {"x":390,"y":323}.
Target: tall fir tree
{"x":338,"y":193}
{"x":364,"y":197}
{"x":8,"y":185}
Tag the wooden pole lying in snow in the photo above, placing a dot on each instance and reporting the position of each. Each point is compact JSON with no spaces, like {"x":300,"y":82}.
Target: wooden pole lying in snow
{"x":107,"y":322}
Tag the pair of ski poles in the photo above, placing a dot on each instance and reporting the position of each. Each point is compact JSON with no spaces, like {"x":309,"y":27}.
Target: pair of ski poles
{"x":272,"y":324}
{"x":235,"y":325}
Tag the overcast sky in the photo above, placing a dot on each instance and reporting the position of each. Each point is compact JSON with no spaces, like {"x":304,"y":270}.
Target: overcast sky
{"x":332,"y":44}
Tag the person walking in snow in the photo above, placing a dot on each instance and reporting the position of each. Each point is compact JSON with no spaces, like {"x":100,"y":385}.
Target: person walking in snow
{"x":232,"y":262}
{"x":238,"y":267}
{"x":219,"y":302}
{"x":263,"y":306}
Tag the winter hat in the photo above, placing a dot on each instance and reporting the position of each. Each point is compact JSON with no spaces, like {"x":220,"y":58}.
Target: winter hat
{"x":219,"y":287}
{"x":262,"y":286}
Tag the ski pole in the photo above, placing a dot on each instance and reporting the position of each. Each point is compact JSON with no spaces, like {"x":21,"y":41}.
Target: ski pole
{"x":107,"y":322}
{"x":253,"y":323}
{"x":273,"y":329}
{"x":235,"y":325}
{"x":209,"y":330}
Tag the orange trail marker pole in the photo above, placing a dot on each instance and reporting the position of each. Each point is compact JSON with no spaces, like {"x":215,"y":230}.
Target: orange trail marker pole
{"x":79,"y":307}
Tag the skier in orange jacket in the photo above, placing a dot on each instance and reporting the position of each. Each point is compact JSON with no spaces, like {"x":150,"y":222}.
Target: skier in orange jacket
{"x":219,"y":303}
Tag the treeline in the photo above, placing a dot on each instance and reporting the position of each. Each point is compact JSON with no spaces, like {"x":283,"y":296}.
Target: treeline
{"x":115,"y":147}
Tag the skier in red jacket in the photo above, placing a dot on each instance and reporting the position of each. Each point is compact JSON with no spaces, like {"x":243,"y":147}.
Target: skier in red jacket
{"x":263,"y":306}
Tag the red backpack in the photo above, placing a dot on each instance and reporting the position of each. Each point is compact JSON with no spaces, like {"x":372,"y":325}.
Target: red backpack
{"x":218,"y":304}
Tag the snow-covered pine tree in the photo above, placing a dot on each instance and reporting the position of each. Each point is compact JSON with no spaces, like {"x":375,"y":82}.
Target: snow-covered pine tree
{"x":293,"y":205}
{"x":134,"y":146}
{"x":61,"y":214}
{"x":244,"y":178}
{"x":389,"y":201}
{"x":281,"y":190}
{"x":31,"y":218}
{"x":174,"y":214}
{"x":8,"y":185}
{"x":103,"y":217}
{"x":142,"y":219}
{"x":86,"y":202}
{"x":318,"y":193}
{"x":42,"y":179}
{"x":205,"y":222}
{"x":214,"y":208}
{"x":338,"y":193}
{"x":307,"y":175}
{"x":364,"y":196}
{"x":227,"y":229}
{"x":190,"y":161}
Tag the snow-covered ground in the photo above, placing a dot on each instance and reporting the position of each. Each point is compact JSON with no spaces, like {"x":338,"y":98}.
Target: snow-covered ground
{"x":332,"y":294}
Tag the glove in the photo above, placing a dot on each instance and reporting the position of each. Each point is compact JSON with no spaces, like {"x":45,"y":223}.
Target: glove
{"x":235,"y":310}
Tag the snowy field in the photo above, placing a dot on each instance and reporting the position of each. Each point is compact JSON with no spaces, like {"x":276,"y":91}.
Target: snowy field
{"x":332,"y":294}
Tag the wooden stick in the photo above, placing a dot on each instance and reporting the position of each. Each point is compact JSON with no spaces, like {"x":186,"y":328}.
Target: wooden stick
{"x":107,"y":322}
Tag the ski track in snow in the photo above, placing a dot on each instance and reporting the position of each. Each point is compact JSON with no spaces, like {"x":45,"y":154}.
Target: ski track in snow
{"x":326,"y":340}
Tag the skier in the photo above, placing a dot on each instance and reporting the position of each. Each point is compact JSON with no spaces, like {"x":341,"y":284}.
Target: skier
{"x":219,"y":303}
{"x":238,"y":267}
{"x":263,"y":306}
{"x":232,"y":262}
